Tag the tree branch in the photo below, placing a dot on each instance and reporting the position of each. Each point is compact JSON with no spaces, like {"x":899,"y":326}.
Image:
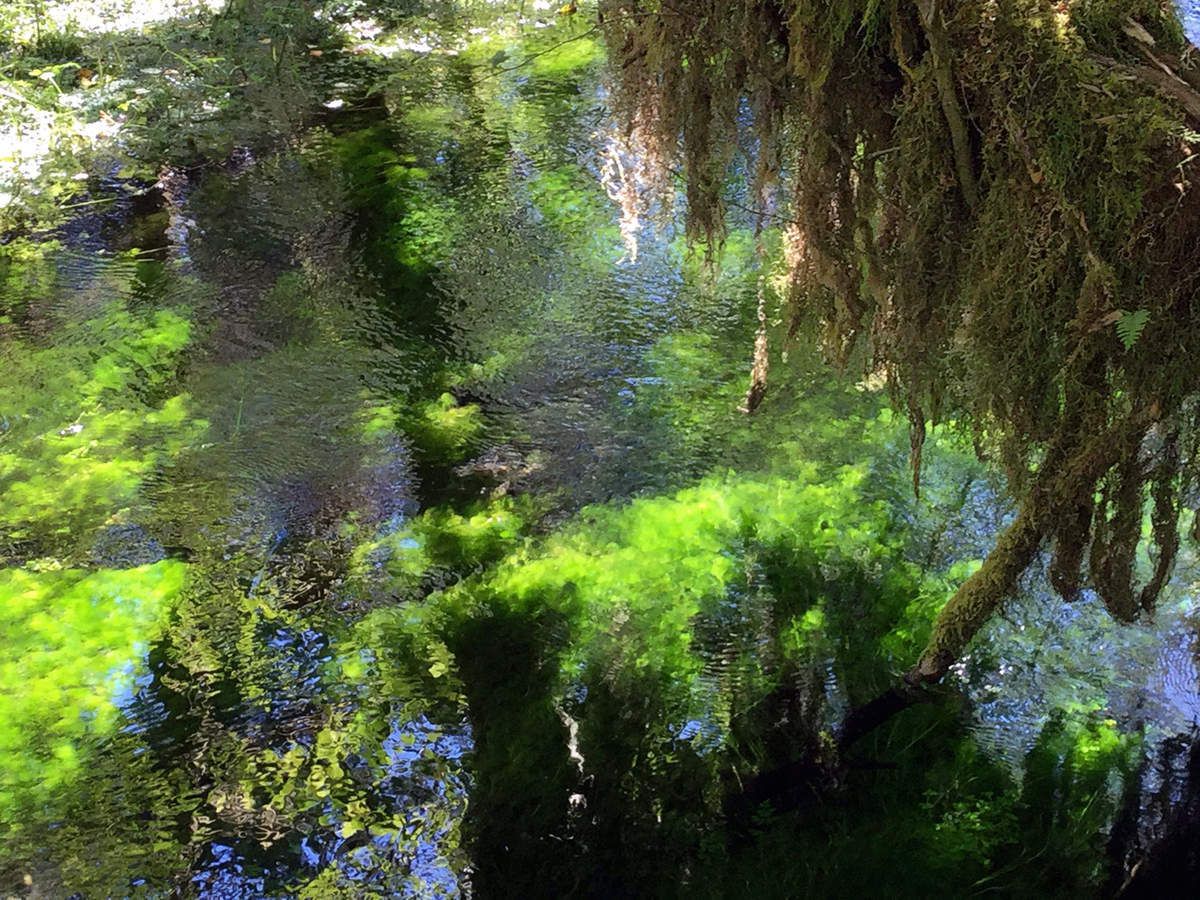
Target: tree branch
{"x":1063,"y":475}
{"x":948,"y":94}
{"x":1165,"y":81}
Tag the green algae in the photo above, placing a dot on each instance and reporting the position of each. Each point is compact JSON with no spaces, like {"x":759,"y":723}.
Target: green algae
{"x":73,"y":641}
{"x":87,"y":420}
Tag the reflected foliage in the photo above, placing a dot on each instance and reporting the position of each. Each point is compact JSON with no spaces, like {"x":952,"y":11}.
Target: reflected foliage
{"x":390,"y":531}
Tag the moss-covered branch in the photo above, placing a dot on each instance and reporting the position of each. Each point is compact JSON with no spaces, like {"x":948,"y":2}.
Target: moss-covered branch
{"x":939,"y":51}
{"x":1063,"y":477}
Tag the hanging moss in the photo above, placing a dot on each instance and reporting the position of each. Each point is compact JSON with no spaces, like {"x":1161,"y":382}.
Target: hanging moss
{"x":989,"y":203}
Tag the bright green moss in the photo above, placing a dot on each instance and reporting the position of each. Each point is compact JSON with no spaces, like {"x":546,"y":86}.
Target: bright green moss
{"x":507,"y":353}
{"x":378,"y":421}
{"x":71,"y":641}
{"x":441,"y":539}
{"x":634,"y":580}
{"x":460,"y":542}
{"x":85,"y":421}
{"x":442,"y":429}
{"x":566,"y":59}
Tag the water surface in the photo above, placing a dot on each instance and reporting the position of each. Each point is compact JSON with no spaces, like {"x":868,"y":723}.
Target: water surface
{"x":378,"y":521}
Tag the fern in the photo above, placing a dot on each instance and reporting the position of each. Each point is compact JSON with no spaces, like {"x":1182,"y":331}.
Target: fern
{"x":1131,"y":325}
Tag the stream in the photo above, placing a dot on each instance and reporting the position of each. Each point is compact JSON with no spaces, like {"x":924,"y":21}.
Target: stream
{"x":379,"y":520}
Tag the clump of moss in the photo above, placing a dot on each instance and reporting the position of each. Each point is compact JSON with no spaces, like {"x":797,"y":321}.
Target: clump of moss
{"x":456,"y":544}
{"x":85,"y":421}
{"x":443,"y":429}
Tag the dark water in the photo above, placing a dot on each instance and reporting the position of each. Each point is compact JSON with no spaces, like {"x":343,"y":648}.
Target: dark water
{"x":378,"y":522}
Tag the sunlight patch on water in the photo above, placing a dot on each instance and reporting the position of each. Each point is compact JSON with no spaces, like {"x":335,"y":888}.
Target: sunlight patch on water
{"x":124,"y":15}
{"x":1189,"y":11}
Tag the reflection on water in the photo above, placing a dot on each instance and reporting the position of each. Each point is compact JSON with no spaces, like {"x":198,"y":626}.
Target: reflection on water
{"x":1189,"y":10}
{"x":303,"y":593}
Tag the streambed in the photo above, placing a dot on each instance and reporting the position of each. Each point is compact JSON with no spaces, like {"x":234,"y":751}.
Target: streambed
{"x":379,"y":519}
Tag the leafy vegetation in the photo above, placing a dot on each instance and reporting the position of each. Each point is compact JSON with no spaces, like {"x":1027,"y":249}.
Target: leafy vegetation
{"x":386,"y":522}
{"x":86,"y":421}
{"x":73,"y":642}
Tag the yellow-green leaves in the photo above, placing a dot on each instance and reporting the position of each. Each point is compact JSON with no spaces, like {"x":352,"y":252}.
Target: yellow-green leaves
{"x":83,"y":423}
{"x":71,"y":643}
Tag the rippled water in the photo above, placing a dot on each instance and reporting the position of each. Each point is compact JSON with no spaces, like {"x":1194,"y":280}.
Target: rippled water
{"x":1189,"y":10}
{"x":301,"y":284}
{"x":272,"y":423}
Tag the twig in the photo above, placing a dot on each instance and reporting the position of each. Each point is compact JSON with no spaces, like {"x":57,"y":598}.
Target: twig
{"x":1165,"y":81}
{"x":95,"y":202}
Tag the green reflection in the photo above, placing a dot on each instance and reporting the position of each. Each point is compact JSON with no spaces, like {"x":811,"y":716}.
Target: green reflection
{"x":501,"y":690}
{"x":86,"y":420}
{"x":72,"y":643}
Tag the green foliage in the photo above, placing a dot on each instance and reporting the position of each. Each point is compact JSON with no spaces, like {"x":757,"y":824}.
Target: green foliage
{"x":974,"y":190}
{"x":691,"y":389}
{"x":411,"y":223}
{"x":87,"y":419}
{"x":576,"y":209}
{"x":71,"y":642}
{"x":1131,"y":325}
{"x":446,"y":541}
{"x":1079,"y":761}
{"x":658,"y":563}
{"x":28,"y":275}
{"x":972,"y":830}
{"x":56,"y":45}
{"x":708,"y":629}
{"x":567,"y":58}
{"x":185,"y":87}
{"x":442,"y":429}
{"x":635,"y":603}
{"x":1104,"y":24}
